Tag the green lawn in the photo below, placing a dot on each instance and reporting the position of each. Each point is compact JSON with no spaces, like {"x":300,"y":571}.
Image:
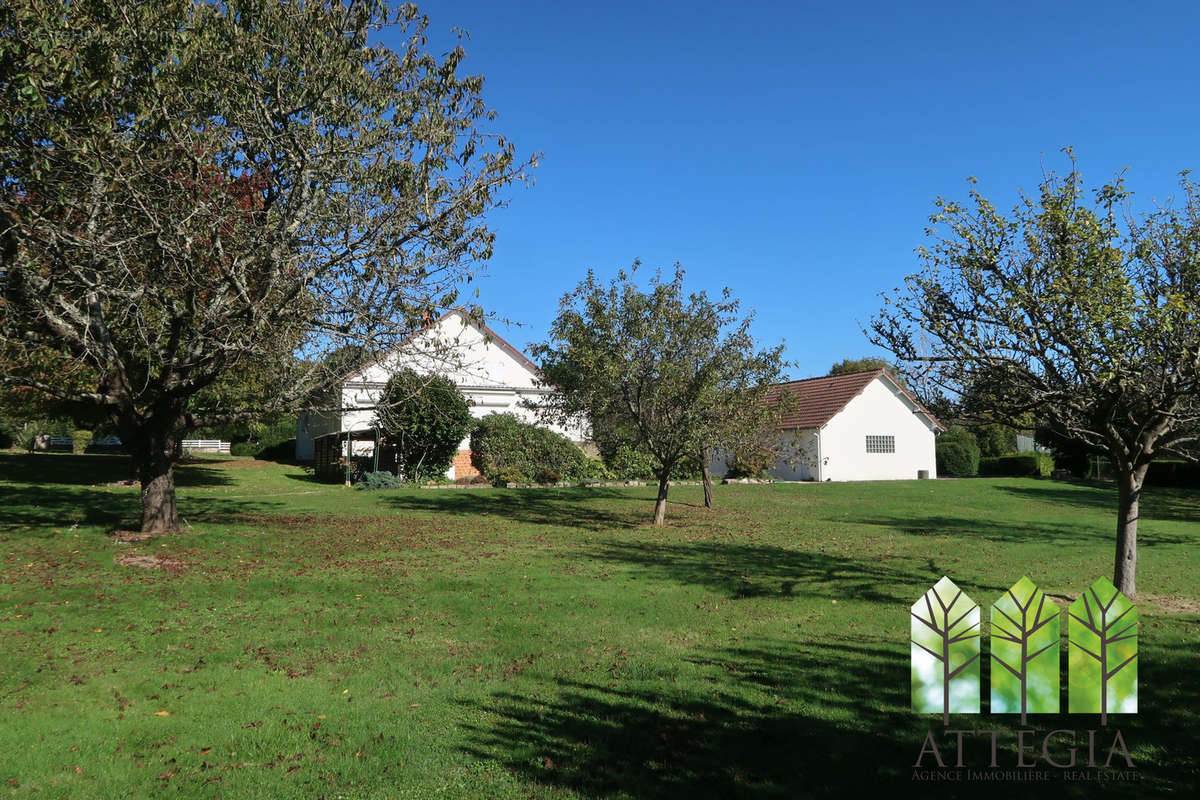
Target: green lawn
{"x":307,"y":640}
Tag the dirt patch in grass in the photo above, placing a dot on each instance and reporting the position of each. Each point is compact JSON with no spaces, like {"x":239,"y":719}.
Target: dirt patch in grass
{"x":1174,"y":605}
{"x":125,"y":537}
{"x":237,"y":463}
{"x":150,"y":561}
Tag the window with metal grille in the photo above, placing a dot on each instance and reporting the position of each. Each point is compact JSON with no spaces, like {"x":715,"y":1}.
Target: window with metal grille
{"x":881,"y":444}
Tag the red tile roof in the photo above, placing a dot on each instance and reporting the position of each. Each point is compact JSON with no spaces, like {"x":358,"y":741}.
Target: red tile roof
{"x":815,"y":401}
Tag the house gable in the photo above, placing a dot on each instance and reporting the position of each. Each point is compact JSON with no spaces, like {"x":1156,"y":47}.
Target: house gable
{"x":470,"y":354}
{"x":814,"y":402}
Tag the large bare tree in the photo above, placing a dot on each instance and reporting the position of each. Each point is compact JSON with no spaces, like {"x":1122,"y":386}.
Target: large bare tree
{"x":202,"y":200}
{"x":1070,"y":310}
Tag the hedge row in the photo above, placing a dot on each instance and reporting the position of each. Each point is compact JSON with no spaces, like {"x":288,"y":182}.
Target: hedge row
{"x":957,"y":453}
{"x":1018,"y":465}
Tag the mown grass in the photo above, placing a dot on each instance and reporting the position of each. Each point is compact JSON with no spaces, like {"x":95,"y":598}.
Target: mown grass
{"x":313,"y":641}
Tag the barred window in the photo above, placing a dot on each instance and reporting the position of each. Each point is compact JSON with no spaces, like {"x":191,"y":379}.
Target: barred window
{"x":881,"y":444}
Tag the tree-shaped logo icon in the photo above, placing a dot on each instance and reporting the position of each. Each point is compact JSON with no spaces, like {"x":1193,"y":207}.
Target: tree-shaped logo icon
{"x":1025,"y":647}
{"x":1102,"y":663}
{"x":945,"y":652}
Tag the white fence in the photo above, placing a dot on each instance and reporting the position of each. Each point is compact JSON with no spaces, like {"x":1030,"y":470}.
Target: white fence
{"x":206,"y":445}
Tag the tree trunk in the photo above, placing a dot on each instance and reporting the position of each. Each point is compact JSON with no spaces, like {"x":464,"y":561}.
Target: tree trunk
{"x":154,"y":455}
{"x":706,"y":477}
{"x":1129,"y":491}
{"x":660,"y":507}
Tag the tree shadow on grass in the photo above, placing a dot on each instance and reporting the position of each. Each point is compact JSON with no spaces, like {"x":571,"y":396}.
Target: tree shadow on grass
{"x":1013,"y":532}
{"x":746,"y":570}
{"x":64,"y":469}
{"x":781,"y":719}
{"x":765,"y":729}
{"x":567,"y":507}
{"x":92,"y":470}
{"x":29,"y":510}
{"x":1157,"y":503}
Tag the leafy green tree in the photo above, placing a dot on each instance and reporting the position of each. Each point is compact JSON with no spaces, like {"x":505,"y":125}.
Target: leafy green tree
{"x":1082,"y":317}
{"x":848,"y":366}
{"x":202,"y":199}
{"x":425,"y":417}
{"x":670,"y":374}
{"x":995,"y":439}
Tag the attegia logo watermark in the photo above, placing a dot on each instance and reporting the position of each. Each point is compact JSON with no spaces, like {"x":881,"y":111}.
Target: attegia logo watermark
{"x":1025,"y":638}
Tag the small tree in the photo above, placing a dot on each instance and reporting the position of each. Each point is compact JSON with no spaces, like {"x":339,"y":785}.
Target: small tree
{"x":1086,"y":320}
{"x":669,"y":374}
{"x":425,"y":417}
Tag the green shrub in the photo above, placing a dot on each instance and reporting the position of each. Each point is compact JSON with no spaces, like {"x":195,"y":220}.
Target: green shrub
{"x":594,"y":469}
{"x":424,"y":418}
{"x":995,"y":440}
{"x":628,"y":464}
{"x":379,"y":480}
{"x":546,"y":475}
{"x":957,"y":453}
{"x":755,"y":457}
{"x":509,"y":476}
{"x":507,"y":450}
{"x":280,"y":451}
{"x":1018,"y":465}
{"x":244,"y":448}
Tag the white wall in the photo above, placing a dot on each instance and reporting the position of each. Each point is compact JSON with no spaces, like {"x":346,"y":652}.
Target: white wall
{"x":878,"y":411}
{"x":797,"y":463}
{"x":491,"y":378}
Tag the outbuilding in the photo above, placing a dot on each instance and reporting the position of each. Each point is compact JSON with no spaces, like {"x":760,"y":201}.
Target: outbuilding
{"x":865,"y":426}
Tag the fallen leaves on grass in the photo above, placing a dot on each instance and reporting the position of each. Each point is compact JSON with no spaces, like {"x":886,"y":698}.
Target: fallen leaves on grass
{"x":155,"y":561}
{"x":124,"y":537}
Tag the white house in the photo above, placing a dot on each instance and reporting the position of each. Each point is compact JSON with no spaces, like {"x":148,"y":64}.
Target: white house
{"x":859,"y":427}
{"x":493,"y":376}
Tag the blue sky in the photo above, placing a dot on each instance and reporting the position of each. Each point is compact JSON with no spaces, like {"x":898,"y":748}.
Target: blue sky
{"x":792,"y":151}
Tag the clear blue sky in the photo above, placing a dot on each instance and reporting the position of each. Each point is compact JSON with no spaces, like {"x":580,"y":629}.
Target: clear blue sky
{"x":792,"y":150}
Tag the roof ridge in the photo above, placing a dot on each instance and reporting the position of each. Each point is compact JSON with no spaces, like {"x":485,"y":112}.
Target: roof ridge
{"x":875,"y":371}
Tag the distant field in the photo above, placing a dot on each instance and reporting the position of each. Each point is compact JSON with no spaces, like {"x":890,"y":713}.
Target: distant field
{"x":304,"y":640}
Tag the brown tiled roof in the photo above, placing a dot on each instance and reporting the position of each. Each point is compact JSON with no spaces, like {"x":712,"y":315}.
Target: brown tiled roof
{"x":815,"y":401}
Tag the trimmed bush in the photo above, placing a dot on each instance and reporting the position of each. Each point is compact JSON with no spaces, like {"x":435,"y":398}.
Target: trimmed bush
{"x":1018,"y":465}
{"x":280,"y":451}
{"x":507,"y":450}
{"x":424,"y":418}
{"x":594,"y":469}
{"x":957,"y":453}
